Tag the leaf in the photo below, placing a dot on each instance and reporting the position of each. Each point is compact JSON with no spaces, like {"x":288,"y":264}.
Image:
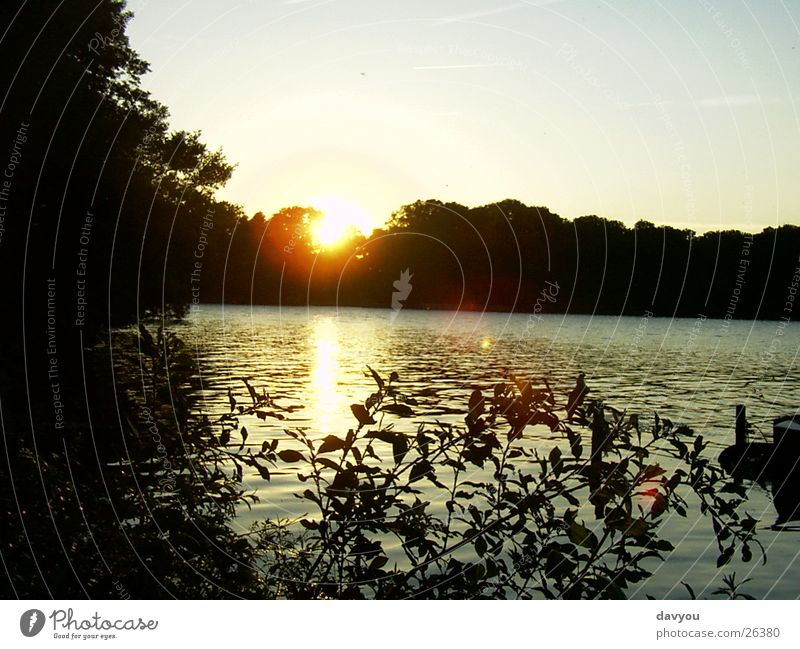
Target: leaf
{"x":516,"y":432}
{"x":310,"y":495}
{"x":546,"y":418}
{"x":263,"y":471}
{"x":378,"y":562}
{"x":398,"y":409}
{"x":476,"y":405}
{"x":649,"y":473}
{"x":330,"y":464}
{"x":252,"y":391}
{"x":399,"y":447}
{"x":476,"y":516}
{"x":290,"y":455}
{"x":637,"y":527}
{"x":244,"y":437}
{"x":377,"y":378}
{"x":455,"y":464}
{"x":581,"y":535}
{"x":680,"y":446}
{"x":480,"y":545}
{"x":572,"y":500}
{"x":698,"y":444}
{"x":659,"y":505}
{"x":224,"y":437}
{"x":420,"y":470}
{"x":384,"y":435}
{"x":725,"y":556}
{"x":423,"y":443}
{"x":361,"y":414}
{"x":689,"y":588}
{"x":263,"y":414}
{"x":558,"y":565}
{"x":345,"y":480}
{"x":332,"y":443}
{"x":146,"y":341}
{"x":555,"y":459}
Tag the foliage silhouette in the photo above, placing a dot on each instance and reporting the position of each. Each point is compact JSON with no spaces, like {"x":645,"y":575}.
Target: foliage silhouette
{"x":150,"y":511}
{"x":102,"y":196}
{"x":517,"y":519}
{"x":139,"y":503}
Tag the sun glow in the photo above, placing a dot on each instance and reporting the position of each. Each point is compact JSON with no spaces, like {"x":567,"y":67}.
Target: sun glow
{"x":340,"y":220}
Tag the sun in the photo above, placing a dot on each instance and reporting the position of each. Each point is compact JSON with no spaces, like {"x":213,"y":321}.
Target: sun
{"x":339,"y":220}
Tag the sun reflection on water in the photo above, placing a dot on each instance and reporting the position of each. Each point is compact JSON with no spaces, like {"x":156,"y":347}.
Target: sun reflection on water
{"x":326,"y":399}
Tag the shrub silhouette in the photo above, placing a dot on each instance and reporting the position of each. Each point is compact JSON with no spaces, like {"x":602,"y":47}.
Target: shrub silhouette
{"x":577,"y":521}
{"x":144,"y":501}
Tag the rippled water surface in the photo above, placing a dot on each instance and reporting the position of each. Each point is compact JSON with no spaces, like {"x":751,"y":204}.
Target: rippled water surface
{"x":691,"y":371}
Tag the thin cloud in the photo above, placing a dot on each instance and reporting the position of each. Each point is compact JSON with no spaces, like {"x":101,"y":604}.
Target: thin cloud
{"x":730,"y":100}
{"x":648,"y":104}
{"x":723,"y":101}
{"x":482,"y":14}
{"x":456,"y":67}
{"x":473,"y":15}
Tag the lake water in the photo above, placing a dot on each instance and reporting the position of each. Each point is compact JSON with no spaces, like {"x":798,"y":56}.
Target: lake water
{"x":689,"y":370}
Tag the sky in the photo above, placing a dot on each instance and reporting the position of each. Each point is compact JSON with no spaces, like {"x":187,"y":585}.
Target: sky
{"x":682,"y":112}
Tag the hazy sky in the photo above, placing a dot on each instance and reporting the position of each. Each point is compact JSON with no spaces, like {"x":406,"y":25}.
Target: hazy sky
{"x":682,"y":112}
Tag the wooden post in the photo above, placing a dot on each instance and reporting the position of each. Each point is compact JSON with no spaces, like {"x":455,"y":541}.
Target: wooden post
{"x":741,"y":426}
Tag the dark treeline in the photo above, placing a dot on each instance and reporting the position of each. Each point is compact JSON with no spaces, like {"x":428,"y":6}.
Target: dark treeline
{"x":501,"y":257}
{"x":97,"y":193}
{"x":98,"y":199}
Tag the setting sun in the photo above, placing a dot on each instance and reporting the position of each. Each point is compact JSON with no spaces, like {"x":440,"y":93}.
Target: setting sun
{"x":339,"y":220}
